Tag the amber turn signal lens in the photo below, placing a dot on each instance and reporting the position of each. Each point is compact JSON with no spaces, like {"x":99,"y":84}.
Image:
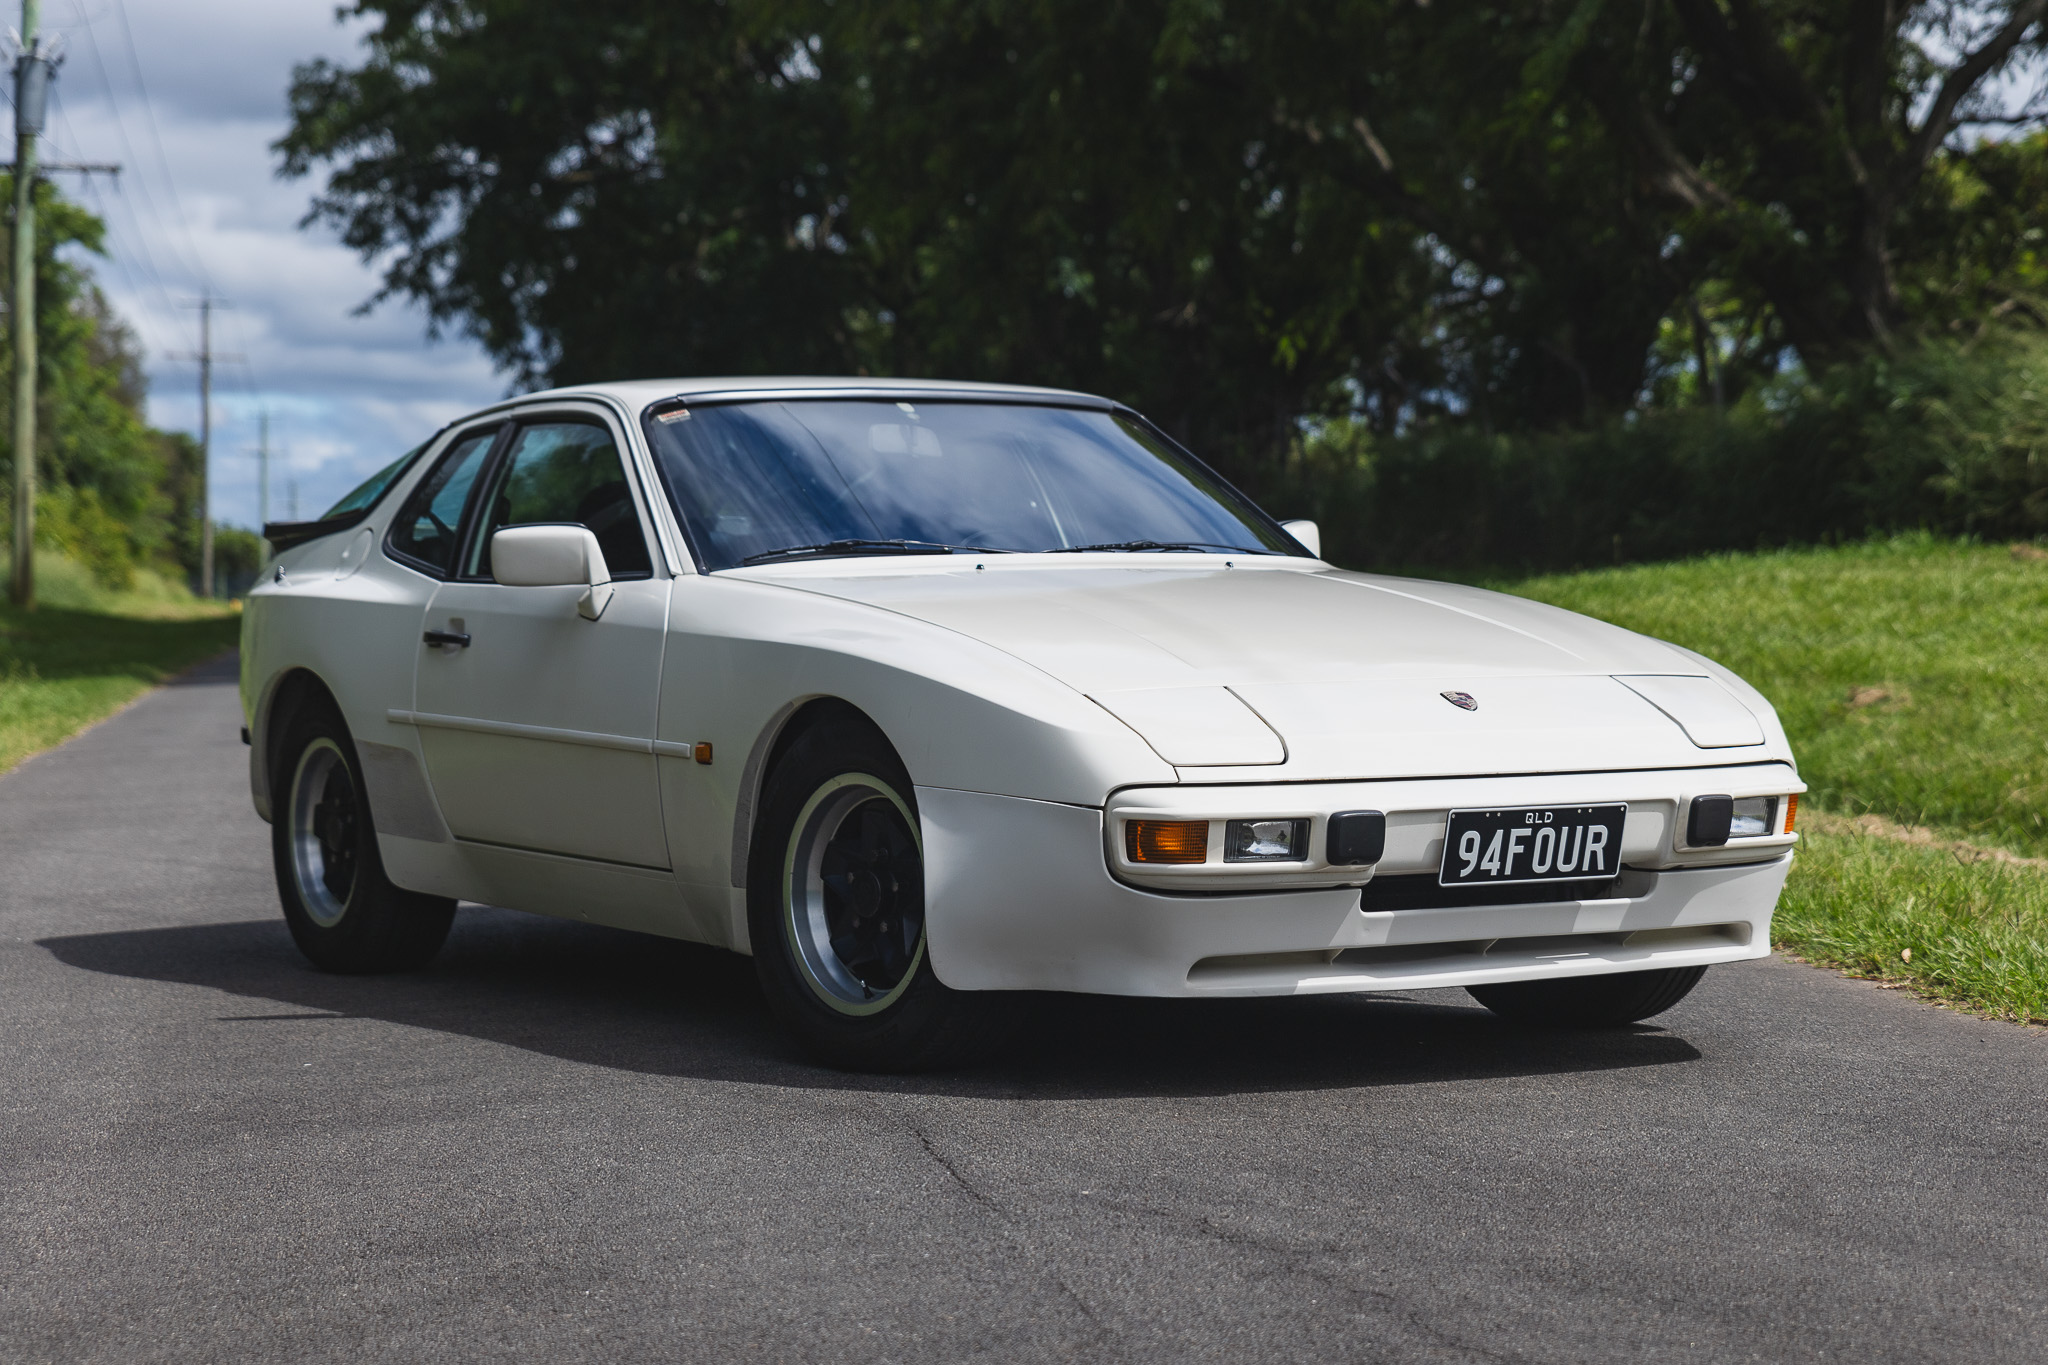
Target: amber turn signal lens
{"x":1791,"y":811}
{"x":1166,"y":841}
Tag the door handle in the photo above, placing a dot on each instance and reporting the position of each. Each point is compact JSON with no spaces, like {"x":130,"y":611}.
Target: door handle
{"x":458,"y":638}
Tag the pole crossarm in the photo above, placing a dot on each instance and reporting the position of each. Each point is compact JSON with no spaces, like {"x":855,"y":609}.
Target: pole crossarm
{"x":76,"y":167}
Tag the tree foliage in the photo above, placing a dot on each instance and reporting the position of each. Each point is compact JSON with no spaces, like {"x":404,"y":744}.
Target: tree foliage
{"x":1235,"y":214}
{"x":111,"y":492}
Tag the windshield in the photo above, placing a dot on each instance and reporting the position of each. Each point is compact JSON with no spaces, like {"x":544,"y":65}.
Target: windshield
{"x":372,"y":488}
{"x":757,"y":482}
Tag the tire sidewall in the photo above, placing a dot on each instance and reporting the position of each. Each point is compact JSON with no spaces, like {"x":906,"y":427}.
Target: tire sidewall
{"x":380,"y":926}
{"x":908,"y":1031}
{"x":1610,"y":1000}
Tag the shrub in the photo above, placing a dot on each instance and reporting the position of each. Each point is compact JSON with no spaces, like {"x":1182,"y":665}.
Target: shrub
{"x":1944,"y":438}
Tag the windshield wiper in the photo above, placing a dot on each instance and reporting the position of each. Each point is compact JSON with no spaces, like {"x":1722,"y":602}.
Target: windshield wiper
{"x":1156,"y":545}
{"x":831,"y":548}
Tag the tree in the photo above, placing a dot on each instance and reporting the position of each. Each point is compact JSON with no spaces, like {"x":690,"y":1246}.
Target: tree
{"x":1795,"y":135}
{"x":100,"y":469}
{"x":612,"y":189}
{"x":1233,"y":214}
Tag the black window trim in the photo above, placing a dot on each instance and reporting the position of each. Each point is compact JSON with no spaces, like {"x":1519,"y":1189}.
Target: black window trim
{"x":472,"y":512}
{"x":498,"y":426}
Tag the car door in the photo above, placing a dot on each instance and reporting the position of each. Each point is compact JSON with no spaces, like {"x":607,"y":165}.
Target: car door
{"x":537,"y":725}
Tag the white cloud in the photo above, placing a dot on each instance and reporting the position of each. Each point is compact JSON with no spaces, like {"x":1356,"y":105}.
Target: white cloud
{"x":198,"y":207}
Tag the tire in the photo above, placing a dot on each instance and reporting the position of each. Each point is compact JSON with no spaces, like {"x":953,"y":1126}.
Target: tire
{"x":1589,"y":1001}
{"x":835,"y":909}
{"x":342,"y":910}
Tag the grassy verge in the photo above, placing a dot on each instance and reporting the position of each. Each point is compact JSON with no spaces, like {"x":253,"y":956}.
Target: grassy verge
{"x":1912,"y":677}
{"x":1967,"y":931}
{"x":84,"y":653}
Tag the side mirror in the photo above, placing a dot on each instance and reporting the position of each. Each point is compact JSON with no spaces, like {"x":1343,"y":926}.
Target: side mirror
{"x":1306,"y":532}
{"x":554,"y":556}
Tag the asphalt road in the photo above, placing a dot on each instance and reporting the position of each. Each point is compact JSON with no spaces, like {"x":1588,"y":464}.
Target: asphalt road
{"x":567,"y":1143}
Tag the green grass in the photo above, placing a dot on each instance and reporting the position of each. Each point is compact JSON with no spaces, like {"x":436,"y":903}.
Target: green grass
{"x":1970,"y":933}
{"x":1912,"y":677}
{"x":85,"y":652}
{"x":1955,"y":637}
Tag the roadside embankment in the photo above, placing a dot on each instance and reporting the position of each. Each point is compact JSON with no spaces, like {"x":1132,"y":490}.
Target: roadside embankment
{"x":1912,"y":677}
{"x":84,"y":652}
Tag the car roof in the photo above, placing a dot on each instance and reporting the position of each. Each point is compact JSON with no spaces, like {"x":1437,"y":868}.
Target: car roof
{"x":639,"y":393}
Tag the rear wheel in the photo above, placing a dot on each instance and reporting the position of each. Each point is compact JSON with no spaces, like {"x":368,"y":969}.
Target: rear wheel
{"x":836,"y":911}
{"x":1589,"y":1001}
{"x":342,"y":911}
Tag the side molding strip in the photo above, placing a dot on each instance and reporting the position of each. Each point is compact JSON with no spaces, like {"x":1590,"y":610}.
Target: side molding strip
{"x":588,"y":738}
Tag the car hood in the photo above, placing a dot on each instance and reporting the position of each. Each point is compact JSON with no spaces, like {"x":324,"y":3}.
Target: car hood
{"x":1309,"y":672}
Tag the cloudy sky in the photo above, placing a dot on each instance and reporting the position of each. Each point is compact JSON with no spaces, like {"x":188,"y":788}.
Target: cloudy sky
{"x":188,"y":95}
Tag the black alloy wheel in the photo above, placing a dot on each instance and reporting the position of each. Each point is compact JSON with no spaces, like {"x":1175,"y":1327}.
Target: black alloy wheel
{"x":836,"y":911}
{"x":343,"y":912}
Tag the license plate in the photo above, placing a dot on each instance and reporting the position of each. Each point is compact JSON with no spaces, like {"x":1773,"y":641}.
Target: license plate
{"x":1532,"y":844}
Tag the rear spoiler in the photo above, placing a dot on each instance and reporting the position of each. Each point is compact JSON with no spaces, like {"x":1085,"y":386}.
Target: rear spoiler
{"x":283,"y":535}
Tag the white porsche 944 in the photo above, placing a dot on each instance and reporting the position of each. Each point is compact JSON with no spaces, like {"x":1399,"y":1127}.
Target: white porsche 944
{"x":926,"y":694}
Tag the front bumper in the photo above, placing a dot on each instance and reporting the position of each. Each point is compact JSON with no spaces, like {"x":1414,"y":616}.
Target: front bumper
{"x":1021,"y":897}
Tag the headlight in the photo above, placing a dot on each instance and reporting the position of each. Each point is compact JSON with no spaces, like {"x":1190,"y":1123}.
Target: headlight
{"x":1751,"y":817}
{"x":1265,"y":841}
{"x":1714,"y":820}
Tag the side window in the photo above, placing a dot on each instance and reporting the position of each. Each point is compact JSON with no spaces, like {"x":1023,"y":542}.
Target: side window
{"x":565,"y":472}
{"x":425,"y":530}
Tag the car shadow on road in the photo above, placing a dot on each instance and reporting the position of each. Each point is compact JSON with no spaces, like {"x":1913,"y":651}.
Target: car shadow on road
{"x":605,"y":997}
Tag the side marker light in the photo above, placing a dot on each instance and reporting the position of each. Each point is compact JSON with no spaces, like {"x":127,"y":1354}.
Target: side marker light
{"x":1791,"y":811}
{"x":702,"y":753}
{"x":1166,"y":841}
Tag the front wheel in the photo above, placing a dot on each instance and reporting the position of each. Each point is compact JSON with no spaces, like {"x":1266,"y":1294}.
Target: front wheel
{"x":1589,"y":1001}
{"x":836,"y":911}
{"x":342,"y":911}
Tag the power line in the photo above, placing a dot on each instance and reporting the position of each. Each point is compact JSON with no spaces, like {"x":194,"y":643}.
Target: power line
{"x":196,"y":260}
{"x":253,"y":384}
{"x":121,"y":131}
{"x":173,"y":229}
{"x":107,"y":207}
{"x":130,"y":284}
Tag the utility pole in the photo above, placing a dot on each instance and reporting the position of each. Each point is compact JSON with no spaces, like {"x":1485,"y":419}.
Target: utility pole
{"x":263,"y":470}
{"x":32,"y":72}
{"x":206,"y":446}
{"x":205,"y":356}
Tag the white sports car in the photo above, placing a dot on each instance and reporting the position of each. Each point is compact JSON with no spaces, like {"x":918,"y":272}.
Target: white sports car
{"x":926,"y":694}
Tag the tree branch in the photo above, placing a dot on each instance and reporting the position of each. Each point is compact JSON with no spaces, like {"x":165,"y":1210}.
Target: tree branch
{"x":1680,"y":178}
{"x":1940,"y":120}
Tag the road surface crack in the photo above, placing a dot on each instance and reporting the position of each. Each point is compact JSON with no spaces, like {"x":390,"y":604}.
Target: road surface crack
{"x":1302,"y":1260}
{"x":1013,"y":1231}
{"x":945,"y":1163}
